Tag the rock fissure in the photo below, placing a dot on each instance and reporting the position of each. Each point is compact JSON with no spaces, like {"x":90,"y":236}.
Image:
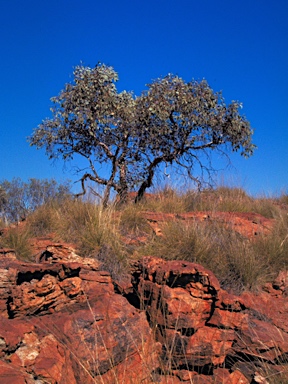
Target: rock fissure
{"x":63,"y":319}
{"x":28,"y":276}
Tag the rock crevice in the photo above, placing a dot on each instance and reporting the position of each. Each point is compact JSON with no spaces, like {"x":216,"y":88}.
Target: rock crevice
{"x":63,"y":320}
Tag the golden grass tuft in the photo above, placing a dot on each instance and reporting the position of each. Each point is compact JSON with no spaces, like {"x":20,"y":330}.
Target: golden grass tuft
{"x":96,"y":232}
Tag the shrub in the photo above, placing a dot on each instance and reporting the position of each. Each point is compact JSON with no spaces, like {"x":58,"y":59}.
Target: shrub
{"x":18,"y":239}
{"x":273,"y":249}
{"x":132,"y":220}
{"x":234,"y":260}
{"x":19,"y":199}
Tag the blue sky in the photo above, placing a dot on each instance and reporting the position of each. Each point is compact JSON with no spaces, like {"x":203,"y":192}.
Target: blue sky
{"x":239,"y":47}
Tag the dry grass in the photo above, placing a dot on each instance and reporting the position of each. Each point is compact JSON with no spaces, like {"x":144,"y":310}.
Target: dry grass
{"x":233,"y":260}
{"x":237,"y":262}
{"x":97,"y":232}
{"x":93,"y":230}
{"x":226,"y":199}
{"x":18,"y":239}
{"x":167,"y":200}
{"x":132,"y":220}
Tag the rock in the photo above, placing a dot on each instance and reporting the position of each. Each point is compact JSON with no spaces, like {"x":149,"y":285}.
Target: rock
{"x":267,"y":307}
{"x":281,"y":282}
{"x":63,"y":320}
{"x":13,"y":374}
{"x":248,"y":225}
{"x":237,"y":377}
{"x":262,"y":340}
{"x":203,"y":327}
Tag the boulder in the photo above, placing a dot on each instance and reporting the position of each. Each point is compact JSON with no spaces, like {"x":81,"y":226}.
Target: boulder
{"x":203,"y":328}
{"x":63,"y":320}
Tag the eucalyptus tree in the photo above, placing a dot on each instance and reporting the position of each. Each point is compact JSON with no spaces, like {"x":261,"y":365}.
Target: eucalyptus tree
{"x":125,"y":139}
{"x":181,"y":123}
{"x":91,"y":119}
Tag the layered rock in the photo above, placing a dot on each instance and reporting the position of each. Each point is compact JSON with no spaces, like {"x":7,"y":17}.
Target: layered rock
{"x":63,"y":320}
{"x":248,"y":225}
{"x":204,"y":329}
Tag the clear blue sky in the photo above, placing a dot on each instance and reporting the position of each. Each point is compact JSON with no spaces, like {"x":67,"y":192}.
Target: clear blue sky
{"x":239,"y":47}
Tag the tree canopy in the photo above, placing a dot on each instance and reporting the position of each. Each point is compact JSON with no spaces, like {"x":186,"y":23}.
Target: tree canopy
{"x":125,"y":138}
{"x":19,"y":198}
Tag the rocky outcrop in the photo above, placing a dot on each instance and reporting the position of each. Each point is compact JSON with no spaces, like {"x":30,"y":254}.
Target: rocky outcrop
{"x":205,"y":330}
{"x":63,"y":320}
{"x":248,"y":225}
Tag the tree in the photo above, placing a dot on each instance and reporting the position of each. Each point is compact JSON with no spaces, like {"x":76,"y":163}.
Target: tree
{"x":125,"y":139}
{"x":180,"y":122}
{"x":19,"y":198}
{"x":93,"y":120}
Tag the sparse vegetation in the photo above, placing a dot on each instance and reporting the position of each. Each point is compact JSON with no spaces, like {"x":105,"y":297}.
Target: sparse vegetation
{"x":239,"y":263}
{"x":17,"y":239}
{"x":172,"y":122}
{"x":18,"y":199}
{"x":96,"y":232}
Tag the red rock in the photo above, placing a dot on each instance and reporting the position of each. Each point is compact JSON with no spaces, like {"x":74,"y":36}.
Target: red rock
{"x":168,"y":379}
{"x":11,"y":374}
{"x":209,"y":346}
{"x":227,"y":319}
{"x":262,"y":339}
{"x":53,"y":362}
{"x":221,"y":376}
{"x":61,"y":321}
{"x":237,"y":377}
{"x":12,"y":333}
{"x":107,"y":336}
{"x":281,"y":282}
{"x":185,"y":375}
{"x":249,"y":225}
{"x":203,"y":379}
{"x":175,"y":307}
{"x":268,"y":308}
{"x":230,"y":302}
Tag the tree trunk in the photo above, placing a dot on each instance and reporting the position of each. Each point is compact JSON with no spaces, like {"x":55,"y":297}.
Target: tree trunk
{"x":146,"y":184}
{"x":123,"y":190}
{"x":106,"y":196}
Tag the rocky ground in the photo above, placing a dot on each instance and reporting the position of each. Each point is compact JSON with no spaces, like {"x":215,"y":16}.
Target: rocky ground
{"x":65,"y":321}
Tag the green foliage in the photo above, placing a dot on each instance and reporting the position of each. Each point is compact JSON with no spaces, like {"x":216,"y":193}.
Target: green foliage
{"x":22,"y":198}
{"x":129,"y":138}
